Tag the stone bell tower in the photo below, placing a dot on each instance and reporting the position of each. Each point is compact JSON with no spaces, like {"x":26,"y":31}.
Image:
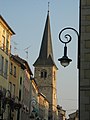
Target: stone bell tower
{"x":45,"y":70}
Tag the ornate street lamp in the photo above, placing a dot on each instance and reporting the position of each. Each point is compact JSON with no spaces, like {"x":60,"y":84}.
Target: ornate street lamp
{"x":65,"y":60}
{"x":34,"y":112}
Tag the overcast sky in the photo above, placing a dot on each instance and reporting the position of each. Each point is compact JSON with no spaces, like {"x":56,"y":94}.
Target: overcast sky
{"x":27,"y":19}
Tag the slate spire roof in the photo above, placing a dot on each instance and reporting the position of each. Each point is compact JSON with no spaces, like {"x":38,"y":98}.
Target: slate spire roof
{"x":46,"y":52}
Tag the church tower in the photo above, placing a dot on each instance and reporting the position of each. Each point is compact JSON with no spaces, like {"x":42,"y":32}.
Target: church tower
{"x":45,"y":70}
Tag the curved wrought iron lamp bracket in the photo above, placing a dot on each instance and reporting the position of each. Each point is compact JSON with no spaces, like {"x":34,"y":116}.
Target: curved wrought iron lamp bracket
{"x":65,"y":60}
{"x":67,"y":36}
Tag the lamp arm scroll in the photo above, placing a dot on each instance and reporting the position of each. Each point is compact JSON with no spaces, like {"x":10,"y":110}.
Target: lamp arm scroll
{"x":67,"y":36}
{"x":65,"y":60}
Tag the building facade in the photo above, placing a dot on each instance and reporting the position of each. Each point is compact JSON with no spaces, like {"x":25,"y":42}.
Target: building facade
{"x":23,"y":88}
{"x":34,"y":106}
{"x":5,"y":36}
{"x":43,"y":106}
{"x":84,"y":103}
{"x":16,"y":78}
{"x":45,"y":71}
{"x":39,"y":105}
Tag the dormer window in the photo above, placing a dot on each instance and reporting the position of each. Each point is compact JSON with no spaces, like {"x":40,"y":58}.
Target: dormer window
{"x":43,"y":73}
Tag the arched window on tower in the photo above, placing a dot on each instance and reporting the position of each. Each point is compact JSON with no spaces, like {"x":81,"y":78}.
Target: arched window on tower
{"x":43,"y":73}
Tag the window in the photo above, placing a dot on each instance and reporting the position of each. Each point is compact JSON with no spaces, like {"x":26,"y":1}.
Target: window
{"x":14,"y":71}
{"x":0,"y":87}
{"x":6,"y":68}
{"x":11,"y":68}
{"x":20,"y":80}
{"x":43,"y":73}
{"x":1,"y":64}
{"x":13,"y":92}
{"x":7,"y":44}
{"x":19,"y":95}
{"x":10,"y":86}
{"x":4,"y":91}
{"x":3,"y":42}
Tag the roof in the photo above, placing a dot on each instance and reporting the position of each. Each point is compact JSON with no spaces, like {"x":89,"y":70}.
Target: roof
{"x":74,"y":114}
{"x":7,"y":24}
{"x":46,"y":52}
{"x":22,"y":61}
{"x":33,"y":80}
{"x":41,"y":94}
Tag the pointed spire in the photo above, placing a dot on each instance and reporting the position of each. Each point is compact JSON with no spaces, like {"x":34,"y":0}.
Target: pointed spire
{"x":46,"y":45}
{"x":46,"y":52}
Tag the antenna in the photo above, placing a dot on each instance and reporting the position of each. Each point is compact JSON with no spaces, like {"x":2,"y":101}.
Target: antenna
{"x":26,"y":50}
{"x":15,"y":48}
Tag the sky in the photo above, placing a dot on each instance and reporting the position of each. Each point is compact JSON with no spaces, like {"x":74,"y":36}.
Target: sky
{"x":27,"y":19}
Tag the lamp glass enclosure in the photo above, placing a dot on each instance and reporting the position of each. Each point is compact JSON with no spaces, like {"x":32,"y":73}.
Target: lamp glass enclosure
{"x":64,"y":61}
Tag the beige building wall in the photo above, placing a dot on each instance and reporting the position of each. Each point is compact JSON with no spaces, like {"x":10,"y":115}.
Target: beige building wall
{"x":85,"y":61}
{"x":14,"y":77}
{"x":5,"y":37}
{"x":43,"y":107}
{"x":15,"y":85}
{"x":3,"y":80}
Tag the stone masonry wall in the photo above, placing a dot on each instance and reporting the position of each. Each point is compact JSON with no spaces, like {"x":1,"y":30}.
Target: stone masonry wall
{"x":85,"y":61}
